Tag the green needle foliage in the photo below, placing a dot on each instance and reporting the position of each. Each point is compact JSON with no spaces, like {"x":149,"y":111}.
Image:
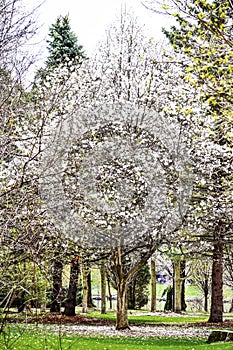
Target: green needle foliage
{"x":63,"y":45}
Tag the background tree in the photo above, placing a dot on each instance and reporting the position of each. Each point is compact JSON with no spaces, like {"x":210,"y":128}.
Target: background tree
{"x":17,"y":26}
{"x":65,"y":57}
{"x":202,"y":278}
{"x":63,"y":45}
{"x":153,"y":284}
{"x":71,"y":300}
{"x":203,"y":37}
{"x":138,"y":290}
{"x":22,"y":226}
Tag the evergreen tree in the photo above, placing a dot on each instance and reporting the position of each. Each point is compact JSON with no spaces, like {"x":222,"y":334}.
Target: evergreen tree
{"x":63,"y":45}
{"x":138,"y":290}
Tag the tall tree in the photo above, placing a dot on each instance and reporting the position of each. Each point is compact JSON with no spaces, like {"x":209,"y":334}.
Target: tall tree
{"x":63,"y":45}
{"x":109,"y":202}
{"x":203,"y":37}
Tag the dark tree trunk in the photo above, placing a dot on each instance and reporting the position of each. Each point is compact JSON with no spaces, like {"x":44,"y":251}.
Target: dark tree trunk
{"x":153,"y":286}
{"x":21,"y":303}
{"x":57,"y":287}
{"x":89,"y":293}
{"x":206,"y":294}
{"x":70,"y":303}
{"x":103,"y":288}
{"x":109,"y":293}
{"x":231,"y":307}
{"x":131,"y":295}
{"x":216,"y":312}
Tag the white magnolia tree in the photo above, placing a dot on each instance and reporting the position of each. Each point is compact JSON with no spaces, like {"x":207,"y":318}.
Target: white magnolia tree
{"x":115,"y":175}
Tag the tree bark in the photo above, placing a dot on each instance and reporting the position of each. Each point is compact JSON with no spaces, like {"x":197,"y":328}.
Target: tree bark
{"x":153,"y":286}
{"x":131,"y":297}
{"x":231,"y":307}
{"x":85,"y":289}
{"x":57,"y":286}
{"x":122,"y":314}
{"x":103,"y":288}
{"x":216,"y":311}
{"x":109,"y":293}
{"x":89,"y":292}
{"x":183,"y":276}
{"x":177,"y":286}
{"x":206,"y":294}
{"x":70,"y":303}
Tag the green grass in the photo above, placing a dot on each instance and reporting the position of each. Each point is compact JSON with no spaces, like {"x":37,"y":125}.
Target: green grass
{"x":152,"y":318}
{"x":19,"y":339}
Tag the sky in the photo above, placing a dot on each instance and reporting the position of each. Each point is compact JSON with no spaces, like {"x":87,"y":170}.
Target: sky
{"x":89,"y":19}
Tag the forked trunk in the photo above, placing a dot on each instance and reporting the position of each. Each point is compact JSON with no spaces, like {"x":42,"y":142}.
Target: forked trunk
{"x":216,"y":312}
{"x":122,"y":314}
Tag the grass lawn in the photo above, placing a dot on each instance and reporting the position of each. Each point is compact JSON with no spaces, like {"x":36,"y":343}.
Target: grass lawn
{"x":140,"y":318}
{"x":19,"y":339}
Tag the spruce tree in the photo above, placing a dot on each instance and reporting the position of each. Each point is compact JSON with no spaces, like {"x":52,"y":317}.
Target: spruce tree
{"x":63,"y":45}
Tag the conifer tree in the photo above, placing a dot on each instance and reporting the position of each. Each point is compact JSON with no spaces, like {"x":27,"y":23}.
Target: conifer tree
{"x":63,"y":45}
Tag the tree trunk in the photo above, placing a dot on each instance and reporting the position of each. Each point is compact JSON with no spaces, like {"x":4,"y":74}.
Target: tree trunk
{"x":231,"y":307}
{"x":70,"y":303}
{"x":57,"y":286}
{"x":177,"y":286}
{"x":216,"y":311}
{"x":206,"y":294}
{"x":85,"y":289}
{"x":103,"y":288}
{"x":131,"y":297}
{"x":109,"y":294}
{"x":153,"y":286}
{"x":122,"y":314}
{"x":89,"y":293}
{"x":183,"y":275}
